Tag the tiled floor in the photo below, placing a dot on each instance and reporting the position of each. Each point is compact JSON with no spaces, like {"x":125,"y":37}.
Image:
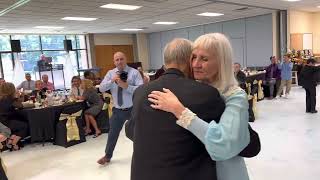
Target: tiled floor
{"x":290,"y":150}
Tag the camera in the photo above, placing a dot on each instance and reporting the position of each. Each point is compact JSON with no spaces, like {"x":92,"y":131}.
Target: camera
{"x":123,"y":76}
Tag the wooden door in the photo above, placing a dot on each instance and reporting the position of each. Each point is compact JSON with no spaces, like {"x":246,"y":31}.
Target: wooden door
{"x":104,"y":56}
{"x":296,"y":41}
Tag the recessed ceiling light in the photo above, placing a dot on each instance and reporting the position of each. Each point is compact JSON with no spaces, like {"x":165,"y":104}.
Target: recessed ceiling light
{"x":210,"y":14}
{"x":13,"y":6}
{"x":121,"y":6}
{"x":292,"y":0}
{"x":49,"y":27}
{"x":131,"y":29}
{"x":79,"y":19}
{"x":166,"y":23}
{"x":318,"y":6}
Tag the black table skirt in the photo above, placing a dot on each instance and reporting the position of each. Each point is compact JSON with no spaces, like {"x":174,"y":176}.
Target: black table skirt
{"x":42,"y":122}
{"x":251,"y":78}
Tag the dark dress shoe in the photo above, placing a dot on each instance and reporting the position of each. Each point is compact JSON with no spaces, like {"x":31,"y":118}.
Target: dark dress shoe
{"x":104,"y":160}
{"x":315,"y":111}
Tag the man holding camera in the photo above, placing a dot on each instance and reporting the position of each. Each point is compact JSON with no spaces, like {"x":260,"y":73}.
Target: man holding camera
{"x":122,"y":81}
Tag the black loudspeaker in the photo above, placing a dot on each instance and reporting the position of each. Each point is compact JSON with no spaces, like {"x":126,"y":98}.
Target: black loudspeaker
{"x":67,"y":45}
{"x":15,"y":45}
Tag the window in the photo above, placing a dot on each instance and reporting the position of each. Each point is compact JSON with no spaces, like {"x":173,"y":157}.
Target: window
{"x":29,"y":60}
{"x":52,"y":42}
{"x":7,"y":66}
{"x":81,"y":42}
{"x":83,"y":60}
{"x":33,"y":46}
{"x":5,"y":43}
{"x":28,"y":42}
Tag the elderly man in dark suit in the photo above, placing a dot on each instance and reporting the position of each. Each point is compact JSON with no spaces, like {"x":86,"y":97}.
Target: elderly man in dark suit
{"x":309,"y":82}
{"x":161,"y":149}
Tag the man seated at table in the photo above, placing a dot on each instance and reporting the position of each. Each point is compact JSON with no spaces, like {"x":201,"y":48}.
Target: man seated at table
{"x":239,"y":75}
{"x":28,"y":84}
{"x":46,"y":83}
{"x":273,"y":76}
{"x":76,"y":90}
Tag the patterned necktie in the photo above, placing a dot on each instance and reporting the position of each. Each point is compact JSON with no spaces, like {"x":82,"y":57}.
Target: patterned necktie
{"x":120,"y":98}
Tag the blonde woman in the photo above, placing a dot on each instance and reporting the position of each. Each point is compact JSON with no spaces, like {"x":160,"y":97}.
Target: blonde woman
{"x":212,"y":64}
{"x":95,"y":106}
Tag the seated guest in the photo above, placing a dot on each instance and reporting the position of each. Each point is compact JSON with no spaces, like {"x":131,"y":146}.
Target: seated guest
{"x":2,"y":81}
{"x":46,"y":83}
{"x":28,"y":84}
{"x":273,"y":76}
{"x":8,"y":104}
{"x":39,"y":89}
{"x":91,"y":76}
{"x":95,"y":106}
{"x":144,"y":76}
{"x":76,"y":90}
{"x":4,"y":134}
{"x":239,"y":75}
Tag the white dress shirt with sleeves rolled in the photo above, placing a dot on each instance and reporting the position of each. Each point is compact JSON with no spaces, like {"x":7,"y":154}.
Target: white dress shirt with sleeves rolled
{"x":134,"y":80}
{"x":226,"y":139}
{"x":27,"y":85}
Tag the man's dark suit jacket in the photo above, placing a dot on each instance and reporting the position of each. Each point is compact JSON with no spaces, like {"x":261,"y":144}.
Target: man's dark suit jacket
{"x":162,"y":149}
{"x":308,"y":76}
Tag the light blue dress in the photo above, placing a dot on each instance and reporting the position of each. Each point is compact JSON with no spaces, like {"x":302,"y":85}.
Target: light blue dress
{"x":226,"y":139}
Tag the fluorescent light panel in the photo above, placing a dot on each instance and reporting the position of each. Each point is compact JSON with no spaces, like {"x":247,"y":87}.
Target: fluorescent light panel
{"x":210,"y":14}
{"x":79,"y":19}
{"x":131,"y":29}
{"x":48,"y":27}
{"x":121,"y":6}
{"x":14,"y":6}
{"x":166,"y":23}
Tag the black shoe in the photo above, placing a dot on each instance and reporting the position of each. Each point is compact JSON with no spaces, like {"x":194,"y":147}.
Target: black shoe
{"x":315,"y":111}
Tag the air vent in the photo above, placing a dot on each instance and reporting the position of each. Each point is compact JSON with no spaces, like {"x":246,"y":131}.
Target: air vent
{"x":242,"y":9}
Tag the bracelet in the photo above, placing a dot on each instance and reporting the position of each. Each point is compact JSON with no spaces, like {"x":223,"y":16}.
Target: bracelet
{"x":185,"y":119}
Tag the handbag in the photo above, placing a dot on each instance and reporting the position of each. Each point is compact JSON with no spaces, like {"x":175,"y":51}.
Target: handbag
{"x":254,"y":146}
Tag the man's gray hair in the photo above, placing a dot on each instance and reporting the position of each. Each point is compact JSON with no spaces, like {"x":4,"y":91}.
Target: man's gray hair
{"x":177,"y":51}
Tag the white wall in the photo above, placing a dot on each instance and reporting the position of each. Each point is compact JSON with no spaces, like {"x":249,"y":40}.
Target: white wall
{"x":251,"y":38}
{"x":113,"y":39}
{"x":306,"y":22}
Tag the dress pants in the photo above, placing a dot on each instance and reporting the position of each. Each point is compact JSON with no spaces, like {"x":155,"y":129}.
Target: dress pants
{"x":286,"y":83}
{"x":310,"y":99}
{"x":117,"y":120}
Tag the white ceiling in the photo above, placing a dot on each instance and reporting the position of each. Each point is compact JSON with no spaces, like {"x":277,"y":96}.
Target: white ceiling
{"x":50,"y":12}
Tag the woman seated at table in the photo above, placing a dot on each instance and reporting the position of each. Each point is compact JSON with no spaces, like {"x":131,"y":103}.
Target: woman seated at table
{"x":39,"y":90}
{"x":76,"y":90}
{"x":8,"y":104}
{"x":95,"y":106}
{"x":4,"y":134}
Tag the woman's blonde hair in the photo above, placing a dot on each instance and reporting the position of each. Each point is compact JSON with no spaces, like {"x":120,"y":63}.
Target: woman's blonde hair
{"x":7,"y":90}
{"x":87,"y":84}
{"x":219,"y":45}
